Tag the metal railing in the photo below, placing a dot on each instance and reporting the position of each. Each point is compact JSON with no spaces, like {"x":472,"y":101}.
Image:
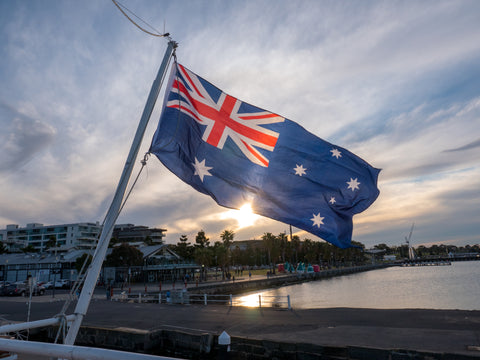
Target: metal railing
{"x":183,"y":297}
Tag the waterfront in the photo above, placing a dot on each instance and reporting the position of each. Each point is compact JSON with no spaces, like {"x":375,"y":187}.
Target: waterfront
{"x":373,"y":333}
{"x":424,"y":287}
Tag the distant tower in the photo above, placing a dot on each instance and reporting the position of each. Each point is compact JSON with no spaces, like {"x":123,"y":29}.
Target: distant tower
{"x":411,"y":251}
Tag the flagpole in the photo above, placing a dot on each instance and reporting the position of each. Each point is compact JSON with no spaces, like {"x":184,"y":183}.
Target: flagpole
{"x":102,"y":246}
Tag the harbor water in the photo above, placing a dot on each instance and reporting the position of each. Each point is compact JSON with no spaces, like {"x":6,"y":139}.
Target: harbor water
{"x":455,"y":286}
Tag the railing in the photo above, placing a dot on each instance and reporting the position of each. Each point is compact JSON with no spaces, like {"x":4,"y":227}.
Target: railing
{"x":259,"y":300}
{"x":183,"y":297}
{"x":206,"y":299}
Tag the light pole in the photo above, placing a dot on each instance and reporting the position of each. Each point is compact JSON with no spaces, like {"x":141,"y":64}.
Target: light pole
{"x":55,"y":276}
{"x":6,"y":272}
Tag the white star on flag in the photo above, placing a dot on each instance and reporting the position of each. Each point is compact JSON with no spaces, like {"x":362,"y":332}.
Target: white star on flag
{"x":317,"y":220}
{"x":353,"y":184}
{"x":201,"y":169}
{"x":300,"y":170}
{"x":336,"y":153}
{"x":332,"y":200}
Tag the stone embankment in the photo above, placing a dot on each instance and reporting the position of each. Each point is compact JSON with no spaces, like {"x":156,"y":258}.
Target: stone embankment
{"x":239,"y":287}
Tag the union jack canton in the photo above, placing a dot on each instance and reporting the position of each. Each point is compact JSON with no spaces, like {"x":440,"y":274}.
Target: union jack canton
{"x":223,"y":119}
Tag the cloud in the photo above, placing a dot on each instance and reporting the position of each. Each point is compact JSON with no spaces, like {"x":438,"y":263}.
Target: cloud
{"x":395,"y":83}
{"x":21,"y":139}
{"x":469,"y":146}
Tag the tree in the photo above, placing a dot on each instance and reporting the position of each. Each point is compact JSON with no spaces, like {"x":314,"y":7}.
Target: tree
{"x":270,"y":244}
{"x":221,"y":256}
{"x":29,"y":249}
{"x":124,"y":255}
{"x":183,"y":248}
{"x":80,"y":260}
{"x":203,"y":257}
{"x":148,"y":240}
{"x":227,"y":237}
{"x":282,"y":242}
{"x":201,"y":240}
{"x":52,"y":242}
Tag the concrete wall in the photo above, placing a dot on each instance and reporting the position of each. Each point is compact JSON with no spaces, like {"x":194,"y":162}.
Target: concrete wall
{"x":198,"y":345}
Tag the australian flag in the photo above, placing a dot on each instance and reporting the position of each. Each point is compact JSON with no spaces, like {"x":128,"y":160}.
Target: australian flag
{"x":238,"y":154}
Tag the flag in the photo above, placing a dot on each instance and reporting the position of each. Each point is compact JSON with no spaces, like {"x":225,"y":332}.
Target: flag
{"x":238,"y":154}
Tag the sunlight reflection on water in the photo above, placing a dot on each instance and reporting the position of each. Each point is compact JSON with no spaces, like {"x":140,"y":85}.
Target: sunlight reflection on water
{"x":427,"y":287}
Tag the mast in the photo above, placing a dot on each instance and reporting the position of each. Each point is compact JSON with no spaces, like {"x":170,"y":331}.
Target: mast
{"x":113,"y":212}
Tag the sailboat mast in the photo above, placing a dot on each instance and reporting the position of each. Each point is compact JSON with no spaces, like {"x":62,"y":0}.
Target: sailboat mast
{"x":102,"y":246}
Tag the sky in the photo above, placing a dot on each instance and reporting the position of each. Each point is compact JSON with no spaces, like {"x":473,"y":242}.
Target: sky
{"x":395,"y":82}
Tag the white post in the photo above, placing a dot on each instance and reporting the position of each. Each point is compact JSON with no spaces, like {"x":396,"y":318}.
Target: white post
{"x":288,"y":299}
{"x":224,"y":343}
{"x":205,"y":299}
{"x":231,"y":300}
{"x":139,"y":298}
{"x":259,"y":300}
{"x":113,"y":212}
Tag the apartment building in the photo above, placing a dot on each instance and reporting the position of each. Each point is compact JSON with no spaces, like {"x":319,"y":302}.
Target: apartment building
{"x":60,"y":238}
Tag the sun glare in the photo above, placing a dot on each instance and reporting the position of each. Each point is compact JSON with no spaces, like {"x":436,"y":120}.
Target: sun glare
{"x":244,"y":216}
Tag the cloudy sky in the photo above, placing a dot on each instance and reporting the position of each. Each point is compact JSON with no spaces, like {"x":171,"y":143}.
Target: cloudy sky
{"x":397,"y":83}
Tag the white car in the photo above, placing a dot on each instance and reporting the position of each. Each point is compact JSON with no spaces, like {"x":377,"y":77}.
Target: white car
{"x":62,"y":284}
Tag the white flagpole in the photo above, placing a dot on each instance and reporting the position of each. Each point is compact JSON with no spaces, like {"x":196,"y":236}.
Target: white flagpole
{"x":102,"y":246}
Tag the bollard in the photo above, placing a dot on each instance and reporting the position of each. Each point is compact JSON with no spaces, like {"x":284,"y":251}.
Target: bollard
{"x":160,"y":298}
{"x":139,"y":298}
{"x":145,"y":289}
{"x":205,"y":299}
{"x":223,"y":345}
{"x":259,"y":300}
{"x":288,"y":300}
{"x":231,"y":300}
{"x":160,"y":286}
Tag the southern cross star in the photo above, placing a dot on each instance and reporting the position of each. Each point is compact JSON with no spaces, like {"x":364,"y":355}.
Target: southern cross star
{"x":332,"y":200}
{"x":353,"y":184}
{"x":317,"y":220}
{"x":336,"y":153}
{"x":201,"y":169}
{"x":300,"y":170}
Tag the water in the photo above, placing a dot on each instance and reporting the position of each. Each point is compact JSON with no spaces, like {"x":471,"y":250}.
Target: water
{"x":423,"y":287}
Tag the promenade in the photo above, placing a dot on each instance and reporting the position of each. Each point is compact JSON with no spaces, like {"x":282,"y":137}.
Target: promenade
{"x":452,"y":332}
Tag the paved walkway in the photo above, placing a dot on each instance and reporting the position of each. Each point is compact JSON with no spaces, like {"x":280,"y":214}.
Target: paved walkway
{"x":442,"y":331}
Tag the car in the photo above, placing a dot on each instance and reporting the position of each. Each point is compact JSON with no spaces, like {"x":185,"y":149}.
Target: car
{"x":3,"y":287}
{"x":62,"y":284}
{"x":48,"y":285}
{"x":16,"y":289}
{"x":20,"y":288}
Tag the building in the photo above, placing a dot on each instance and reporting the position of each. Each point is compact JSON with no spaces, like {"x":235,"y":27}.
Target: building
{"x":138,"y":233}
{"x":160,"y":264}
{"x":42,"y":267}
{"x":55,"y":238}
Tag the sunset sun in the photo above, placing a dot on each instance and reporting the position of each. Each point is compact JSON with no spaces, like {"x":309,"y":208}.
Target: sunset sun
{"x":244,"y":216}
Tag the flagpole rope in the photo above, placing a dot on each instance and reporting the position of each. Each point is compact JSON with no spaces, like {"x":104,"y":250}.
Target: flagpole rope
{"x":144,"y":163}
{"x":120,"y":6}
